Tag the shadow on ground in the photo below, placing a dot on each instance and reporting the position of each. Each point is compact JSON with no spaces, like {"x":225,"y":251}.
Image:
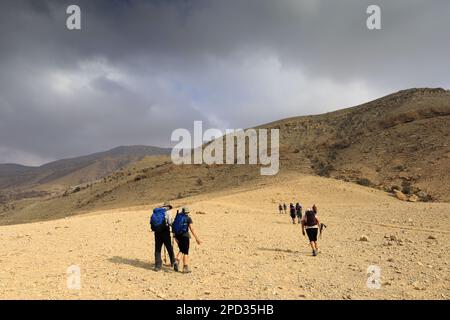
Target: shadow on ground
{"x":132,"y":262}
{"x":284,"y":222}
{"x":279,"y":250}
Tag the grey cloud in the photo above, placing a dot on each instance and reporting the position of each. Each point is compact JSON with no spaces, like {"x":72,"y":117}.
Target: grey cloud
{"x":139,"y":69}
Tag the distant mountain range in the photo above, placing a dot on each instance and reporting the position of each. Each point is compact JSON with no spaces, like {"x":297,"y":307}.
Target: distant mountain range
{"x":77,"y":170}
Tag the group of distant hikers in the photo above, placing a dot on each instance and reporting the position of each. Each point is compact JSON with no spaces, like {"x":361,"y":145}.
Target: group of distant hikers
{"x":182,"y":226}
{"x":161,"y":224}
{"x":310,"y":223}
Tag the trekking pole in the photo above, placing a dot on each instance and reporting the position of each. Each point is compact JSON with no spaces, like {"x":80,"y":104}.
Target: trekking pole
{"x":165,"y":255}
{"x":322,"y":225}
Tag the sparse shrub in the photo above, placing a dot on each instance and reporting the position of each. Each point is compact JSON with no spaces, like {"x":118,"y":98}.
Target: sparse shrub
{"x":77,"y":189}
{"x":324,"y":170}
{"x":199,"y":182}
{"x":364,"y":182}
{"x":424,"y":197}
{"x":407,"y":188}
{"x":342,"y":144}
{"x":332,"y":156}
{"x":139,"y":177}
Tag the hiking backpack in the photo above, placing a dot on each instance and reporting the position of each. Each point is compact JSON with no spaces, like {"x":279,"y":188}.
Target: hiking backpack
{"x":180,"y":225}
{"x":310,"y":218}
{"x":292,"y":210}
{"x":158,"y":219}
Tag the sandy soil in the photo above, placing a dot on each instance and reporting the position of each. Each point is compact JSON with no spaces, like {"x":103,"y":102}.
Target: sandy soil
{"x":249,"y":250}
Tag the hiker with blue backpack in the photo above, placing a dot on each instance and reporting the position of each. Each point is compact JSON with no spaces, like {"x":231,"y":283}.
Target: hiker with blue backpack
{"x":160,"y":223}
{"x":181,"y":227}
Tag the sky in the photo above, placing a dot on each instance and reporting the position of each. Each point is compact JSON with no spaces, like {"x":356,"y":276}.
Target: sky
{"x":139,"y":69}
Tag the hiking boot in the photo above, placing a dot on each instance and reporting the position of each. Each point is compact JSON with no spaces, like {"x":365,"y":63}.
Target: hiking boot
{"x":314,"y":253}
{"x":175,"y":266}
{"x":186,"y":269}
{"x":156,"y":269}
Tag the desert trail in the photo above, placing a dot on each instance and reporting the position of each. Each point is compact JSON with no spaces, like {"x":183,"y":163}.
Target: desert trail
{"x":249,"y":250}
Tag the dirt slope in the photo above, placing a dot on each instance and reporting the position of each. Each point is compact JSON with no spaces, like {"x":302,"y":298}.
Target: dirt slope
{"x":249,"y":251}
{"x":396,"y":142}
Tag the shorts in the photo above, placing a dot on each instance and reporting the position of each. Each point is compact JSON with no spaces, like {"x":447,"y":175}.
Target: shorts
{"x":312,"y":233}
{"x":183,"y":244}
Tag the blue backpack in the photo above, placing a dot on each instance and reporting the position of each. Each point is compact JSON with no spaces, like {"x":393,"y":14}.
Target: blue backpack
{"x":179,"y":225}
{"x":158,"y":219}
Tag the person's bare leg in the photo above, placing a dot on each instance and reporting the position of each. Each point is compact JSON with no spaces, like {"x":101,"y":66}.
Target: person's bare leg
{"x":186,"y":264}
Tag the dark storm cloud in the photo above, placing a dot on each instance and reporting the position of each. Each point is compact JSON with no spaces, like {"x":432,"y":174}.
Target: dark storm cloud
{"x":139,"y":69}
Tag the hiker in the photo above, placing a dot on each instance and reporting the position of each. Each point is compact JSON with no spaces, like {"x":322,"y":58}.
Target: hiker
{"x":284,"y":207}
{"x":280,"y":208}
{"x":298,"y":211}
{"x":181,"y":227}
{"x":160,"y":222}
{"x":292,"y":212}
{"x":310,"y":223}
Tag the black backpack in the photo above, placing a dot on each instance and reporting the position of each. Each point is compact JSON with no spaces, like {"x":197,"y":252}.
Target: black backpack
{"x":310,"y":218}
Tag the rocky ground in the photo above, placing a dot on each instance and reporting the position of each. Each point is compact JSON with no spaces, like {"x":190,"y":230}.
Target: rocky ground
{"x":249,"y":251}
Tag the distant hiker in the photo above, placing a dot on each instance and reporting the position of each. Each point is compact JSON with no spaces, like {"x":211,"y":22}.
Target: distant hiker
{"x":292,"y":212}
{"x":310,"y":223}
{"x":160,"y":222}
{"x":298,"y":212}
{"x":280,"y":208}
{"x":284,"y":207}
{"x":181,"y":227}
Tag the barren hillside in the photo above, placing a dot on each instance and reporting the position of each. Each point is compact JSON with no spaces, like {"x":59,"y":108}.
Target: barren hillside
{"x":398,"y":142}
